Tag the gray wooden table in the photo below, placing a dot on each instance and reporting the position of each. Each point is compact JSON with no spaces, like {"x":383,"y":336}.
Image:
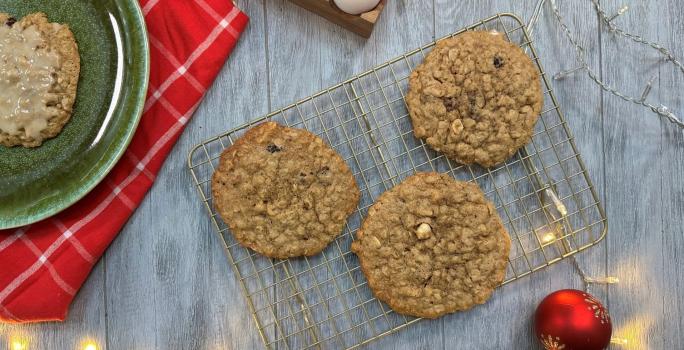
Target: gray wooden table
{"x":166,"y":284}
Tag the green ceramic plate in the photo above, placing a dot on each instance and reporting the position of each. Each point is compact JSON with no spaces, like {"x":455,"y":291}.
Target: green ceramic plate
{"x":37,"y":183}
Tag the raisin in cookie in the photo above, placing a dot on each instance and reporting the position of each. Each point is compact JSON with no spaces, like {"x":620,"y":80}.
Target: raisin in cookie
{"x":476,"y":97}
{"x":283,"y":192}
{"x":432,"y":245}
{"x":39,"y":69}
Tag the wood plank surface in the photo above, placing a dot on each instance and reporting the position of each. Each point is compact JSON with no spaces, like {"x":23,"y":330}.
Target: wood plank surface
{"x":642,"y":167}
{"x":671,"y":17}
{"x":165,"y":282}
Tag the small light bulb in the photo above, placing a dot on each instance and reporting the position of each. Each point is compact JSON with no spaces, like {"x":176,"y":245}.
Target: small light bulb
{"x":602,"y":280}
{"x":548,"y":237}
{"x":566,"y":73}
{"x":619,"y":341}
{"x":90,"y":346}
{"x":620,"y":12}
{"x":19,"y":345}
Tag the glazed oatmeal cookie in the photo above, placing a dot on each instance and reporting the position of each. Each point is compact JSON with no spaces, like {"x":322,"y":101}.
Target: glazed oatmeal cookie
{"x":432,"y":245}
{"x":283,"y":192}
{"x":476,"y":97}
{"x":39,"y":70}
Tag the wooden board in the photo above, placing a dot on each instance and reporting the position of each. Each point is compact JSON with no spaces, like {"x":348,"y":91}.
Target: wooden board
{"x":360,"y":24}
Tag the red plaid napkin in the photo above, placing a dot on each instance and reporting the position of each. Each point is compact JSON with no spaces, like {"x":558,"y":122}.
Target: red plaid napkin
{"x":42,"y":266}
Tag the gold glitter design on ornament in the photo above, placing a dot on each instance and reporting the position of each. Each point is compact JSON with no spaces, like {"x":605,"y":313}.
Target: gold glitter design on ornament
{"x":595,"y":306}
{"x":550,"y":343}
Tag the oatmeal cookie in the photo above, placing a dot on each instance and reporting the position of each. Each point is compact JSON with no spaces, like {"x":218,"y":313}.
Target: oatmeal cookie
{"x":476,"y":97}
{"x":432,"y":245}
{"x":39,"y":69}
{"x":283,"y":192}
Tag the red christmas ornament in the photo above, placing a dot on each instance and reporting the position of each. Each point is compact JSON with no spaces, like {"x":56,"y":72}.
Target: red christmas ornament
{"x":571,"y":319}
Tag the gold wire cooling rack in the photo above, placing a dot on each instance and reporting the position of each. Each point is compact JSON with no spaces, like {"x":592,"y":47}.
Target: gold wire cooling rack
{"x":543,"y":194}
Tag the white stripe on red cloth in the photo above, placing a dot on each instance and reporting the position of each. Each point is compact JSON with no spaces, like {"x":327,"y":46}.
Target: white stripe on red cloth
{"x":182,"y":69}
{"x":8,"y":314}
{"x":210,"y":10}
{"x":171,"y":109}
{"x":74,"y":241}
{"x":31,"y":270}
{"x":121,"y":195}
{"x":148,"y":7}
{"x":9,"y":240}
{"x":139,"y":165}
{"x":55,"y":276}
{"x":194,"y":56}
{"x":222,"y":22}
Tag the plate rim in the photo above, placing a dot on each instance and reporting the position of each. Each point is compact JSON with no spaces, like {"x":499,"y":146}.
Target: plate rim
{"x":76,"y":195}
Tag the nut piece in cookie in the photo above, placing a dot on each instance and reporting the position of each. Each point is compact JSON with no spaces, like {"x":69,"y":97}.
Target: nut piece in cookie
{"x":283,"y":192}
{"x":432,"y":245}
{"x":476,"y":97}
{"x":39,"y":69}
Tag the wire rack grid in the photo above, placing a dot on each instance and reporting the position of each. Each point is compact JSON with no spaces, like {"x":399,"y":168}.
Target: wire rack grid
{"x":543,"y":195}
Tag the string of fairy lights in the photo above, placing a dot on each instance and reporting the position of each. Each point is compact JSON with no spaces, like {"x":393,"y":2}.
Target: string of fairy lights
{"x":608,"y":21}
{"x":19,"y":342}
{"x":560,"y":212}
{"x":659,"y":109}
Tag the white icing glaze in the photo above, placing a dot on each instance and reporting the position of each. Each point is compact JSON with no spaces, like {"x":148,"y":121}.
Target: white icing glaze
{"x":356,"y":7}
{"x":27,"y":74}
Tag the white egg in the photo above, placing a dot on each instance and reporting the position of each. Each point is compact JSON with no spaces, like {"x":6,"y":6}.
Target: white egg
{"x":356,"y":7}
